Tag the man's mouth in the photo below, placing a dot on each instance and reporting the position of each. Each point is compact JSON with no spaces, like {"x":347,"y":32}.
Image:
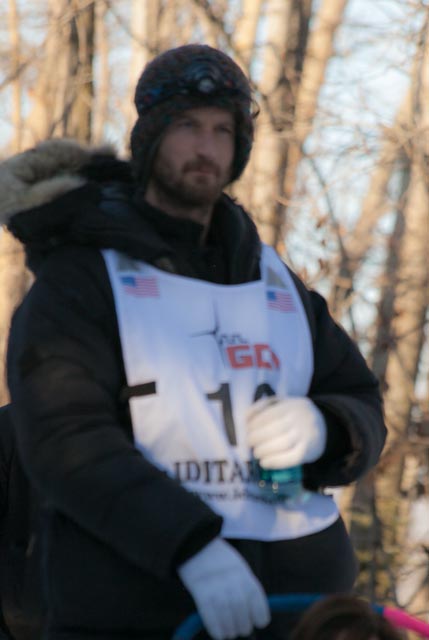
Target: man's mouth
{"x":203,"y":169}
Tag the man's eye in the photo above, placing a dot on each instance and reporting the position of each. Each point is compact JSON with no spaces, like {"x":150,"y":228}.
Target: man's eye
{"x":185,"y":124}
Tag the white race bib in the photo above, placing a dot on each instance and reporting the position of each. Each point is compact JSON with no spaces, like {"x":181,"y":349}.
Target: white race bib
{"x":201,"y":353}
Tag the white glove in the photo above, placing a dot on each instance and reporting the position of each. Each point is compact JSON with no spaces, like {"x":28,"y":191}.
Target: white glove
{"x":228,"y":596}
{"x":285,"y":433}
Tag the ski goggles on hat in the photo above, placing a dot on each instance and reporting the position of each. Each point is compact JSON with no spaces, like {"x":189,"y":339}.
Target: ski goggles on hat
{"x":201,"y":78}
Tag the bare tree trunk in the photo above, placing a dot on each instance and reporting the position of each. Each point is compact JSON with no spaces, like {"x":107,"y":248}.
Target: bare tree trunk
{"x":294,"y":65}
{"x":366,"y":535}
{"x":81,"y":58}
{"x":278,"y":85}
{"x":43,"y":117}
{"x":101,"y":105}
{"x":384,"y":341}
{"x":209,"y":24}
{"x":393,"y":156}
{"x":13,"y":284}
{"x":170,"y":12}
{"x":268,"y":146}
{"x":319,"y":51}
{"x":244,"y":41}
{"x":15,"y":59}
{"x":411,"y":302}
{"x":62,"y":96}
{"x":245,"y":32}
{"x":412,"y":287}
{"x":144,"y":28}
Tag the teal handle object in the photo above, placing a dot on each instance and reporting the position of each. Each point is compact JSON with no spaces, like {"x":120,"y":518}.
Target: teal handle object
{"x":282,"y":484}
{"x":300,"y":602}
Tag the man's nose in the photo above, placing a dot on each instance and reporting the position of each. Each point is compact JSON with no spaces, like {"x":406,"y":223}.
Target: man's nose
{"x":207,"y":143}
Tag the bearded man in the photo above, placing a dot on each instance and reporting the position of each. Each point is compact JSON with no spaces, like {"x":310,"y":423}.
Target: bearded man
{"x":167,"y":370}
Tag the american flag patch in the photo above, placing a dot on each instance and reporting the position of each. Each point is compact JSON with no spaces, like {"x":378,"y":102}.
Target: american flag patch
{"x":140,"y":287}
{"x":280,"y":301}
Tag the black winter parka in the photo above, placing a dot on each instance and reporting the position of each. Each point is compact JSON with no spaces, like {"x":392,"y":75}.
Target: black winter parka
{"x":21,"y":602}
{"x":118,"y":526}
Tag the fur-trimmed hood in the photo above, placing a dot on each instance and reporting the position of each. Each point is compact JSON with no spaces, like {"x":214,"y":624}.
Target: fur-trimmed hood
{"x":52,"y":195}
{"x":41,"y":174}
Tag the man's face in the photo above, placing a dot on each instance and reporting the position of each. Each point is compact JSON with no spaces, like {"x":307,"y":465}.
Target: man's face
{"x":194,"y":159}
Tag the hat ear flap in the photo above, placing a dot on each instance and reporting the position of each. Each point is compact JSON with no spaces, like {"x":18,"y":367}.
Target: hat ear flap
{"x":137,"y":148}
{"x":143,"y":151}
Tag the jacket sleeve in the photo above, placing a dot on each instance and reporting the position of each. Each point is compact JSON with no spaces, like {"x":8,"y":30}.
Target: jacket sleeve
{"x":7,"y":452}
{"x":65,"y":376}
{"x":347,"y":393}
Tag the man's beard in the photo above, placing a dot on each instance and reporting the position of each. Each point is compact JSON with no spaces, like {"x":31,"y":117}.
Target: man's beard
{"x":178,"y":190}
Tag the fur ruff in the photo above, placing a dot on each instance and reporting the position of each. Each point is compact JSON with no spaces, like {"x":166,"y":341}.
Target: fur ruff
{"x":41,"y":174}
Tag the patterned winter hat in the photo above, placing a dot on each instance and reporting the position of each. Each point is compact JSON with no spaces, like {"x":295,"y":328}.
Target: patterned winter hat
{"x":184,"y":78}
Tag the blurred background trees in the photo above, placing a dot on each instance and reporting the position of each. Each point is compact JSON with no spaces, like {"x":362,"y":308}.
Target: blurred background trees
{"x":338,"y":182}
